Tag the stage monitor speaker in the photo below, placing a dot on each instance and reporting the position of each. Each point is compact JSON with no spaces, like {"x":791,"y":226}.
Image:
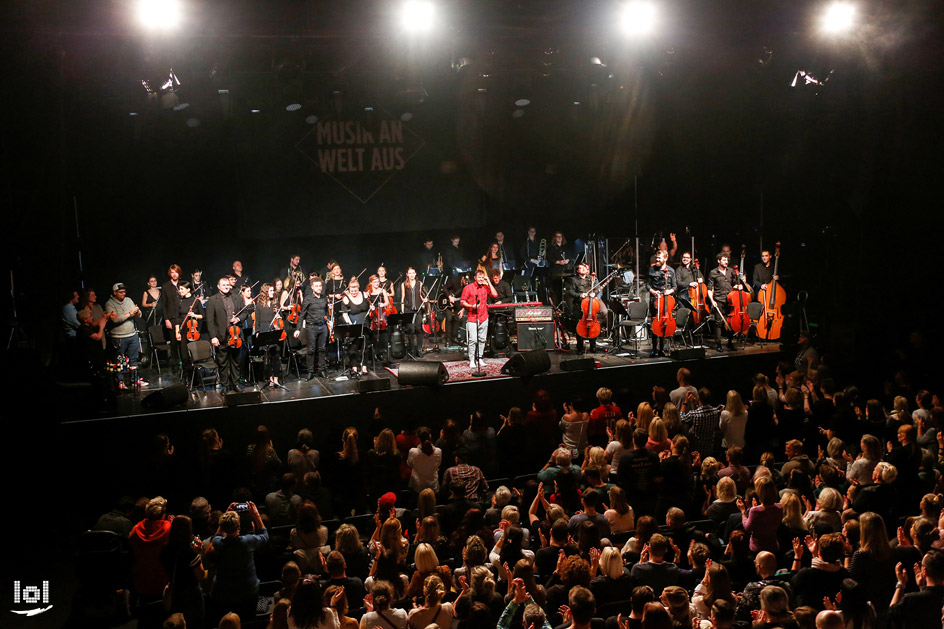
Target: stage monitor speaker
{"x":688,"y":353}
{"x":397,"y":347}
{"x":239,"y":399}
{"x":527,"y":364}
{"x":430,"y":374}
{"x":167,"y":397}
{"x":534,"y":336}
{"x":578,"y":364}
{"x":373,"y":384}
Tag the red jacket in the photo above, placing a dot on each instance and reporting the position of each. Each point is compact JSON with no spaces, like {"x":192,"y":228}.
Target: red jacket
{"x":147,"y":538}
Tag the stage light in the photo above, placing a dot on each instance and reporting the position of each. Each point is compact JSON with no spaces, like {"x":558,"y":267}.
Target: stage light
{"x":522,"y":102}
{"x":293,"y":107}
{"x":418,"y":16}
{"x":639,"y":18}
{"x":838,"y":17}
{"x":254,"y":111}
{"x":181,"y":106}
{"x":159,"y":15}
{"x":406,"y":116}
{"x":312,"y":119}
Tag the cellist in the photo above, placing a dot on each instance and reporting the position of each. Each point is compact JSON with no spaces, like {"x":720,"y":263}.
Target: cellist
{"x":687,"y":275}
{"x":764,"y":272}
{"x":576,"y":289}
{"x":662,"y":281}
{"x":721,"y":281}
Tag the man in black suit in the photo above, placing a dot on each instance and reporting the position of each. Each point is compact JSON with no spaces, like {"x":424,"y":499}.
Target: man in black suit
{"x":221,"y":312}
{"x":170,"y":305}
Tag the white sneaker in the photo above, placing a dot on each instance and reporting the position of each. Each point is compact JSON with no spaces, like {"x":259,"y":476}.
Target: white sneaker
{"x":472,"y":366}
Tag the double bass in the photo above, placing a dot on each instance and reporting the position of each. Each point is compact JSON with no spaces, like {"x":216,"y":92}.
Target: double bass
{"x":589,"y":327}
{"x":663,"y":323}
{"x":738,"y":321}
{"x":773,"y":298}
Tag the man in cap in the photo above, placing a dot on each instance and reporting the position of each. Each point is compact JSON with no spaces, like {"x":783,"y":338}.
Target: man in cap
{"x":124,"y":335}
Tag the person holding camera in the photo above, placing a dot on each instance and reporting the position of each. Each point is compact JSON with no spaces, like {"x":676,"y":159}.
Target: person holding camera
{"x":235,"y":585}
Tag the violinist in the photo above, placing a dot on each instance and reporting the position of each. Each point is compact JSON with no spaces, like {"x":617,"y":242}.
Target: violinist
{"x":336,"y":285}
{"x":267,"y":318}
{"x":380,"y":302}
{"x":198,"y":287}
{"x":278,"y":288}
{"x":249,"y":307}
{"x":314,"y":317}
{"x":355,"y":307}
{"x":454,"y":314}
{"x":189,"y":308}
{"x":687,"y":275}
{"x":474,"y":298}
{"x":220,"y":314}
{"x":578,"y":288}
{"x":721,"y":281}
{"x":151,"y":297}
{"x":662,"y":281}
{"x":764,"y":272}
{"x":384,"y":282}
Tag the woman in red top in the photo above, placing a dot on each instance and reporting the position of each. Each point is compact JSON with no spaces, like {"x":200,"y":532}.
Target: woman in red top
{"x":602,"y":418}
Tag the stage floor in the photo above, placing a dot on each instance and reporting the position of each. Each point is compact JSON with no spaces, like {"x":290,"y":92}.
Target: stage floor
{"x":129,"y":403}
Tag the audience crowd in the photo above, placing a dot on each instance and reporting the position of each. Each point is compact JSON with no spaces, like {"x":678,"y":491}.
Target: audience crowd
{"x":804,"y":505}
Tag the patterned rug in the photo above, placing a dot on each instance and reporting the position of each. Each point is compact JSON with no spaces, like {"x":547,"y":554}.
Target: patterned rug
{"x":459,"y":369}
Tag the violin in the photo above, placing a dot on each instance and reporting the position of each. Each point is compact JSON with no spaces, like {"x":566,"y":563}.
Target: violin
{"x":193,"y":330}
{"x":234,"y":336}
{"x":698,"y":295}
{"x":589,"y":327}
{"x":773,"y":297}
{"x":278,"y":324}
{"x":663,"y":324}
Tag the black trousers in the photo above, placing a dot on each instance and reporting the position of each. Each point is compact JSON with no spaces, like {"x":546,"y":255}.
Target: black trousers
{"x":414,"y":333}
{"x":226,"y":364}
{"x":273,"y":361}
{"x":317,"y":341}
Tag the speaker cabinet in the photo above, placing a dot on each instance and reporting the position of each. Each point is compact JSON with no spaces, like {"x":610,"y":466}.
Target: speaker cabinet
{"x":167,"y":397}
{"x":527,"y":364}
{"x":688,"y":353}
{"x":431,"y":374}
{"x":373,"y":384}
{"x":578,"y":364}
{"x":240,"y":399}
{"x":532,"y":336}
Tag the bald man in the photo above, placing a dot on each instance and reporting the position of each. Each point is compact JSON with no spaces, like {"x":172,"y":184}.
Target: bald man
{"x":829,"y":619}
{"x":766,"y":566}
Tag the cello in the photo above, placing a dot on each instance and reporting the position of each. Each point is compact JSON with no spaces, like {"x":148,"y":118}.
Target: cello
{"x":738,"y":321}
{"x":773,"y":298}
{"x":698,"y":295}
{"x":588,"y":327}
{"x":663,"y":323}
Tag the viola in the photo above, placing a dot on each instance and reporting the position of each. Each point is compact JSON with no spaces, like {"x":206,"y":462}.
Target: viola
{"x":589,"y":327}
{"x":773,"y":297}
{"x":698,"y":295}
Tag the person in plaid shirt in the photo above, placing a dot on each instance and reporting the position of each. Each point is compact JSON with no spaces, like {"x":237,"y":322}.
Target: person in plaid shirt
{"x":703,"y":420}
{"x":466,"y":475}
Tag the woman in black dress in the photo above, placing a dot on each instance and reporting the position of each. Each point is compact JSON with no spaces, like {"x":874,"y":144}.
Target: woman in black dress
{"x":355,"y":307}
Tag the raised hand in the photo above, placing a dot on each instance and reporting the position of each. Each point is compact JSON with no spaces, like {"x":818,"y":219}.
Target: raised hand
{"x":520,"y":593}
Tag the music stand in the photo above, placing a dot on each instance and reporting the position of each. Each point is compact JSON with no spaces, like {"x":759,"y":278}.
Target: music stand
{"x":347,"y":331}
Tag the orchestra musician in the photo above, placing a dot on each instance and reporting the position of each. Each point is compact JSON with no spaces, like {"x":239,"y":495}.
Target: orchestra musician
{"x":500,"y":239}
{"x":503,"y":288}
{"x":453,"y":257}
{"x":239,"y":278}
{"x":221,"y":312}
{"x":721,"y":281}
{"x":379,"y":300}
{"x":663,"y":246}
{"x":335,"y":286}
{"x":198,"y":287}
{"x":474,"y":300}
{"x":687,"y":275}
{"x":412,"y":293}
{"x":171,"y":298}
{"x":187,"y":303}
{"x":428,"y":258}
{"x":267,"y":313}
{"x":384,"y":282}
{"x":764,"y":272}
{"x":560,"y":263}
{"x":355,"y":308}
{"x":529,"y":250}
{"x":245,"y":291}
{"x":453,"y":313}
{"x":293,"y":268}
{"x":491,"y":261}
{"x":314,"y":317}
{"x":151,"y":296}
{"x":662,"y":281}
{"x":578,"y":288}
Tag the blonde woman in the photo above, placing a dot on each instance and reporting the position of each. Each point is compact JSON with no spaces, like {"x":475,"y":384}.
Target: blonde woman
{"x":595,"y":458}
{"x":427,"y":564}
{"x":860,"y":471}
{"x":774,"y":608}
{"x":828,"y":513}
{"x":620,"y":515}
{"x":610,"y":577}
{"x":644,"y":415}
{"x":796,"y":525}
{"x":672,"y":419}
{"x":725,"y":503}
{"x":658,"y":437}
{"x":433,"y":610}
{"x":733,"y":421}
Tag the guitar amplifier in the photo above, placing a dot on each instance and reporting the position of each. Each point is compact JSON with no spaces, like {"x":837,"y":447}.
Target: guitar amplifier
{"x":534,"y":314}
{"x":535,"y":335}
